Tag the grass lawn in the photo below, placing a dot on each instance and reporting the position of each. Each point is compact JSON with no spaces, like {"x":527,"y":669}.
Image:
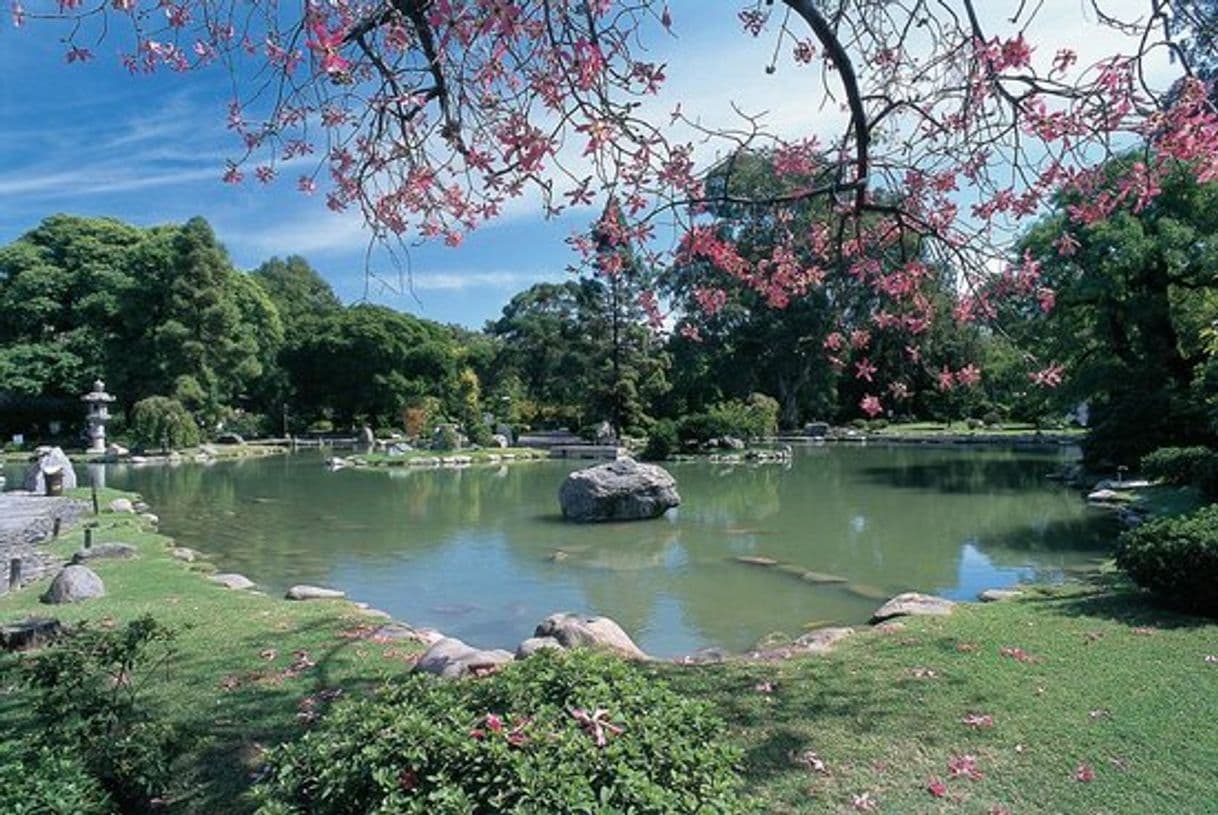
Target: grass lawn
{"x":227,"y":687}
{"x":961,"y":429}
{"x":1077,"y":699}
{"x":1076,"y":682}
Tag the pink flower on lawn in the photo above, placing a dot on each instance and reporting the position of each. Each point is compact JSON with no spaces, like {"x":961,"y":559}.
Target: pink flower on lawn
{"x":865,"y":803}
{"x":1084,"y":773}
{"x":965,"y":767}
{"x":597,"y":723}
{"x":936,"y":787}
{"x":978,"y":720}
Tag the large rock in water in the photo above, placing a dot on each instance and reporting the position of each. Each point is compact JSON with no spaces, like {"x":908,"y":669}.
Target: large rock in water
{"x":576,"y":631}
{"x":50,"y":459}
{"x":73,"y":584}
{"x":622,"y":490}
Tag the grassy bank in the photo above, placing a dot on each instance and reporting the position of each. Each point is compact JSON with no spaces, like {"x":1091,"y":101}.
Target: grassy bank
{"x":939,"y":429}
{"x":1079,"y":699}
{"x":236,"y":684}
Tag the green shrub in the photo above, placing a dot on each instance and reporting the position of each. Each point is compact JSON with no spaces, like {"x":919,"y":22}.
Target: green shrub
{"x":875,"y":425}
{"x":510,"y":743}
{"x":662,"y":442}
{"x":41,"y":780}
{"x":161,"y":422}
{"x":1195,"y":466}
{"x":973,"y":423}
{"x":1176,"y":558}
{"x":992,"y":418}
{"x":701,"y":427}
{"x":481,"y":434}
{"x":858,"y":424}
{"x":88,"y":707}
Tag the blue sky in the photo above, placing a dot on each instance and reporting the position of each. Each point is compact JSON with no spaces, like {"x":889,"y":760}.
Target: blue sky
{"x":93,"y":140}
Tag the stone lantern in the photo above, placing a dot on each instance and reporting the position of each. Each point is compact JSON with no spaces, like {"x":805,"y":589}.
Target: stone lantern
{"x":98,"y":402}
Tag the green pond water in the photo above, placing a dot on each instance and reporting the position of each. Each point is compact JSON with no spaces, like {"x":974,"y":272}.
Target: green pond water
{"x":474,"y":551}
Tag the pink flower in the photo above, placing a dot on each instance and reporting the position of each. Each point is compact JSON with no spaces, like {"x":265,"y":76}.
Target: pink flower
{"x":871,"y":406}
{"x":936,"y":787}
{"x":494,"y":723}
{"x":969,"y":375}
{"x":978,"y":721}
{"x":1084,"y":773}
{"x":965,"y":767}
{"x":596,"y":723}
{"x":864,"y":803}
{"x":864,"y":369}
{"x":946,"y":378}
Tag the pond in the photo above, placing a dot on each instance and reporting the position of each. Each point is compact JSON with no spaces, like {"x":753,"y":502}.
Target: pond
{"x":481,"y":553}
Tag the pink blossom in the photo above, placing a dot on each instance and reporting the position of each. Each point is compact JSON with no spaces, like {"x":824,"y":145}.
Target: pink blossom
{"x":936,"y":787}
{"x":871,"y":405}
{"x":1084,"y":773}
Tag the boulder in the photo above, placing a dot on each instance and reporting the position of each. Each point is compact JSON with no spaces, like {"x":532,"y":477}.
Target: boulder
{"x":184,"y":553}
{"x":49,"y":460}
{"x":105,"y":551}
{"x":149,"y":518}
{"x":230,"y":438}
{"x":122,"y":505}
{"x":822,"y":640}
{"x":233,"y":581}
{"x":116,"y":451}
{"x":74,"y":584}
{"x":28,"y":633}
{"x":998,"y":595}
{"x":452,"y":659}
{"x":622,"y":490}
{"x":314,"y":593}
{"x":500,"y":440}
{"x":532,"y":645}
{"x":731,"y":443}
{"x":577,"y":631}
{"x":913,"y":604}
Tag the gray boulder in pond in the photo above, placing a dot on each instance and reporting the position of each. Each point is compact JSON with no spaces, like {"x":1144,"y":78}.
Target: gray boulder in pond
{"x":532,"y":645}
{"x":622,"y":490}
{"x":452,"y":659}
{"x":50,"y":459}
{"x":577,"y":631}
{"x":73,"y":584}
{"x":105,"y":551}
{"x":913,"y":604}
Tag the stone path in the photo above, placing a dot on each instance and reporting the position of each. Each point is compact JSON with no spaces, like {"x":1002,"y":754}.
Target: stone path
{"x":26,"y":520}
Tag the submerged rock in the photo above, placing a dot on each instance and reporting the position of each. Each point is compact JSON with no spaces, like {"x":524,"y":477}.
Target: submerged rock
{"x":452,"y":659}
{"x":577,"y":631}
{"x":74,"y":584}
{"x":622,"y":490}
{"x":913,"y":604}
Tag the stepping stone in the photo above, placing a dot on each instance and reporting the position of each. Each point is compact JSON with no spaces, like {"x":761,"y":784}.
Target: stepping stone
{"x":913,"y":604}
{"x":105,"y":551}
{"x":29,"y":633}
{"x":998,"y":595}
{"x":233,"y":581}
{"x":314,"y":593}
{"x":822,"y":640}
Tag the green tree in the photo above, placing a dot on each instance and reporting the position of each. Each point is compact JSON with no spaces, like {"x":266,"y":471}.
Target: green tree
{"x":1134,"y":299}
{"x":164,"y":423}
{"x":301,"y":295}
{"x":370,"y":362}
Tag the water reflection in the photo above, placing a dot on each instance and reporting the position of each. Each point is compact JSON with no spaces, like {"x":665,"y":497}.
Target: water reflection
{"x":480,"y":552}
